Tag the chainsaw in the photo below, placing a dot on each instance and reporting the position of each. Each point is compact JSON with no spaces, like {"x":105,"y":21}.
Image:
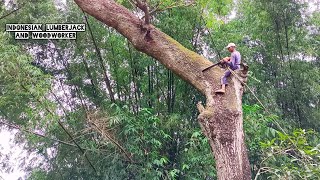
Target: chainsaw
{"x":220,"y":64}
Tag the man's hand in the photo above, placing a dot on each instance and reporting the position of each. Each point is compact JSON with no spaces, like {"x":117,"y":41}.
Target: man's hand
{"x":225,"y":59}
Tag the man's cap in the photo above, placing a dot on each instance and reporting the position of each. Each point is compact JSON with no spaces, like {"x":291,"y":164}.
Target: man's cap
{"x":231,"y":45}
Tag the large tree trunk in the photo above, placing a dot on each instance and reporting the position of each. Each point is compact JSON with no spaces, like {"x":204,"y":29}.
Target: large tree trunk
{"x":221,"y":118}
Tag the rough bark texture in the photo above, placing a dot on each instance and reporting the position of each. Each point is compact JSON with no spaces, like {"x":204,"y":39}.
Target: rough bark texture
{"x":221,"y":118}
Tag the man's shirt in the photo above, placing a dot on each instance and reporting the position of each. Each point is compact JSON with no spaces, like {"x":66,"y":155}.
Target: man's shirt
{"x":235,"y":60}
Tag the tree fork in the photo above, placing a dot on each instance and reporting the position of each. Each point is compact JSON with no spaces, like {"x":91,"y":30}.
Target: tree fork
{"x":221,"y":118}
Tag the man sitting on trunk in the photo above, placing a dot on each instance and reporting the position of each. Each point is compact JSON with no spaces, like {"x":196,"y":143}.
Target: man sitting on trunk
{"x":233,"y":62}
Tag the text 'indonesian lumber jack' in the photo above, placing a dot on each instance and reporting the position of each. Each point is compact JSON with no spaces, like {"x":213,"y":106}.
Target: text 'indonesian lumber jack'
{"x":45,"y":31}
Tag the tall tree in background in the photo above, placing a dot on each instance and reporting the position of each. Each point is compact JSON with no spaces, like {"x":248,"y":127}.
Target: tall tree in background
{"x":221,"y":119}
{"x":276,"y":33}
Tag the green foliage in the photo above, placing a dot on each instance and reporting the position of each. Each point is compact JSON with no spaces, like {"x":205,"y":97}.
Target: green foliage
{"x":276,"y":154}
{"x":275,"y":35}
{"x":21,"y":83}
{"x":293,"y":156}
{"x":218,"y":7}
{"x":163,"y":150}
{"x":258,"y":127}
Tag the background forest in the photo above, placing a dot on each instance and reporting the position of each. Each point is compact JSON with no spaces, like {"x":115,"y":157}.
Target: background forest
{"x":95,"y":108}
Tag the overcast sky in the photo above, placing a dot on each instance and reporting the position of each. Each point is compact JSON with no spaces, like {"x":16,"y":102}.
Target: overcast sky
{"x":7,"y":146}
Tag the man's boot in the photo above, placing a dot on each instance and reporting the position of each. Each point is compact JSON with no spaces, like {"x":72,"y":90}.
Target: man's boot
{"x":222,"y":90}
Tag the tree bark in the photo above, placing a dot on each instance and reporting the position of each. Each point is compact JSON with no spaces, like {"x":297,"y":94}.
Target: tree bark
{"x":221,"y":118}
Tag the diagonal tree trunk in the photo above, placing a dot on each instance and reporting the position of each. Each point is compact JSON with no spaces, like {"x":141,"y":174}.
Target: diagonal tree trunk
{"x":221,"y":118}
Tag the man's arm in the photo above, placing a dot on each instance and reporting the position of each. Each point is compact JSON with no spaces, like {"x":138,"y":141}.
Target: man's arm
{"x":231,"y":61}
{"x":225,"y":60}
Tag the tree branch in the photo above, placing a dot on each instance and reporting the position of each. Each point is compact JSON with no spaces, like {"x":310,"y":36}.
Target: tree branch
{"x":144,"y":7}
{"x":40,"y":135}
{"x":10,"y":12}
{"x":148,"y":39}
{"x":34,"y":133}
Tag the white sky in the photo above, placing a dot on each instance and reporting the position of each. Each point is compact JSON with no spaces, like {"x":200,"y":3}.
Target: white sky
{"x":8,"y":146}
